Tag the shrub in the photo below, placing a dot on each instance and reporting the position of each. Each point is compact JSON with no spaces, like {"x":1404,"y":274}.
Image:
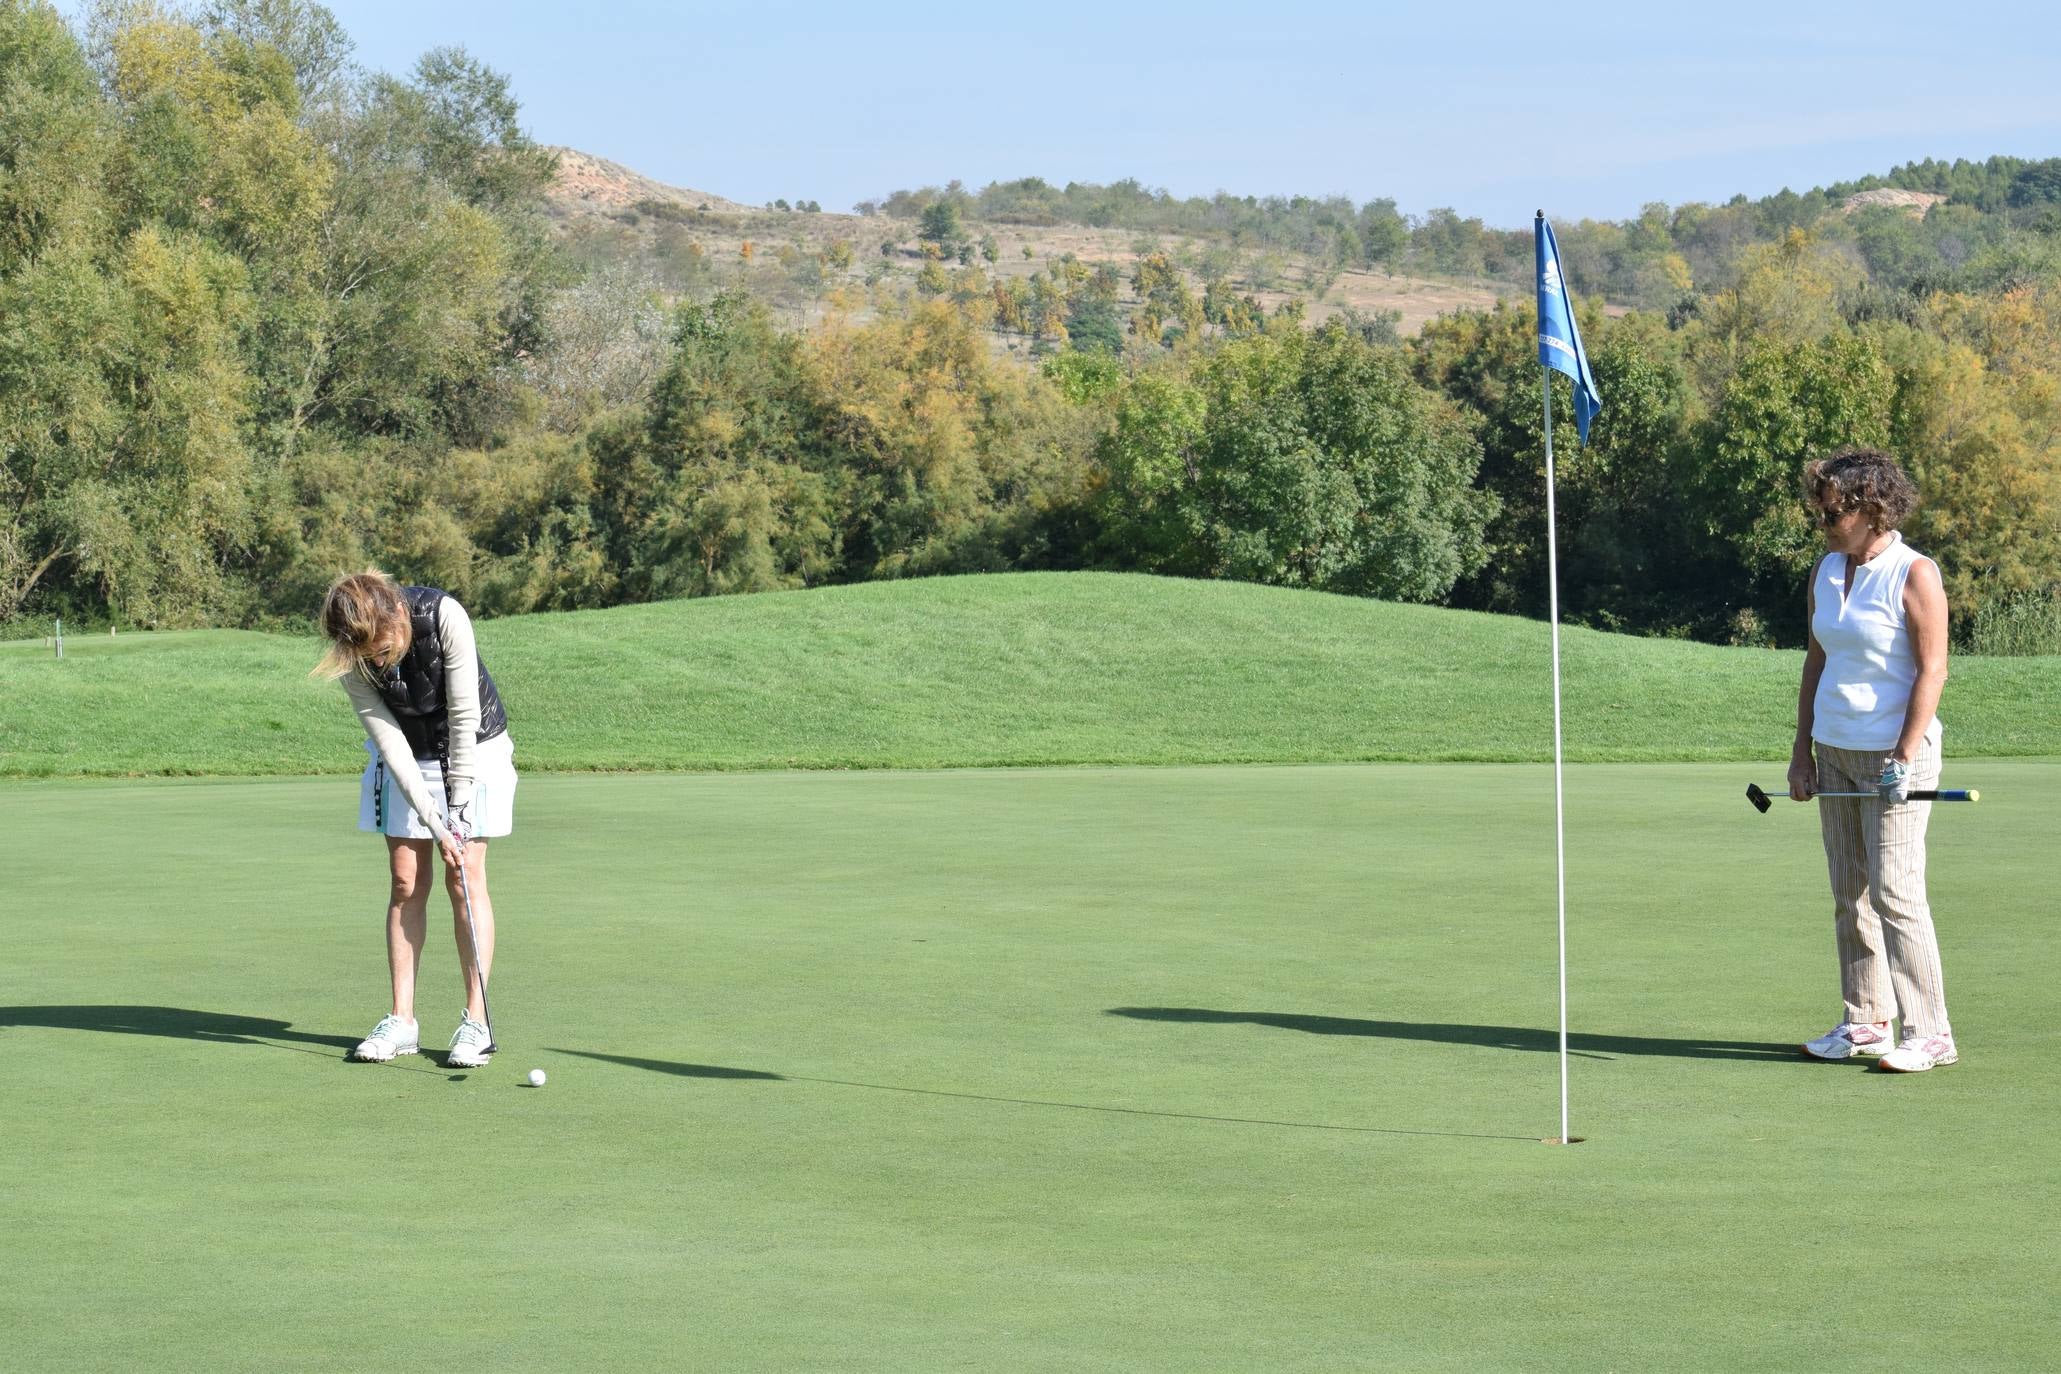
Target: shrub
{"x":2017,"y":625}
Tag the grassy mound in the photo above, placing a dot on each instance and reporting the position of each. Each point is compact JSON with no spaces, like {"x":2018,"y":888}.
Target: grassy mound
{"x":1036,"y":669}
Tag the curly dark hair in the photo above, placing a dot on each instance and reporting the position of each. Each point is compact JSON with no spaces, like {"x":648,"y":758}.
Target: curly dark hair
{"x":1865,"y":479}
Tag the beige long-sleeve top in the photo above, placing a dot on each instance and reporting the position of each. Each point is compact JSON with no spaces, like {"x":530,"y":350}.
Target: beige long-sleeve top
{"x":461,"y":708}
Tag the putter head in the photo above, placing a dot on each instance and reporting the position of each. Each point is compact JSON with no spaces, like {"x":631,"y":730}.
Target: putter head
{"x":1758,"y":798}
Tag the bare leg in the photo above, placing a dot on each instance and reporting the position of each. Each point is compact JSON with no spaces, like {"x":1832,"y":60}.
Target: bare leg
{"x":482,"y":921}
{"x":407,"y":918}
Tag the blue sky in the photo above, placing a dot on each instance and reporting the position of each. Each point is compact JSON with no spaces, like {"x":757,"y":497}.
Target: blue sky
{"x":1489,"y":107}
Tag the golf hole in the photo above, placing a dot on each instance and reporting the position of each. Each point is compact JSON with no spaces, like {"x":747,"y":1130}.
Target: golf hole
{"x":1556,"y":1140}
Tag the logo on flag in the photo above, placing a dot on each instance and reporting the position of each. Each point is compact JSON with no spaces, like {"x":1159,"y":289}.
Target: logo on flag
{"x":1560,"y":340}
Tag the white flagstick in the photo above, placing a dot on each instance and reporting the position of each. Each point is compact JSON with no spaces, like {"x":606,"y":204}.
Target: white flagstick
{"x":1559,"y":804}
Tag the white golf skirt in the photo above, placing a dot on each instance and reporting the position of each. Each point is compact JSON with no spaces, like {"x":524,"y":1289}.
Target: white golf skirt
{"x":383,"y":807}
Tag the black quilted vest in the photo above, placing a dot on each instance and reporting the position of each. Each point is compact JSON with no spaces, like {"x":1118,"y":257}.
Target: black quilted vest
{"x":414,"y":688}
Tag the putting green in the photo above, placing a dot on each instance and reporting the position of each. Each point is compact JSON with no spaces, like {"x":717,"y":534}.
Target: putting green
{"x":1232,"y":1068}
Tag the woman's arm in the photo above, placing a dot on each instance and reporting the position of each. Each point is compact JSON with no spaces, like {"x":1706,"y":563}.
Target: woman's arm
{"x":461,"y":701}
{"x":1803,"y":767}
{"x":1925,"y":616}
{"x":386,"y":735}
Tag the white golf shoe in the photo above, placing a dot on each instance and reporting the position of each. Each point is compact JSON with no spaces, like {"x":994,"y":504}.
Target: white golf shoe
{"x":1919,"y":1053}
{"x":471,"y":1046}
{"x":390,"y":1037}
{"x":1850,"y":1040}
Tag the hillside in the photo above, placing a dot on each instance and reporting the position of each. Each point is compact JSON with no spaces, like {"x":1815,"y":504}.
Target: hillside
{"x":593,"y":185}
{"x":609,"y":214}
{"x":1032,"y":669}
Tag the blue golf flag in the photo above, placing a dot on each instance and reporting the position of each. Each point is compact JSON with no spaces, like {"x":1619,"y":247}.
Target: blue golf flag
{"x":1560,"y":342}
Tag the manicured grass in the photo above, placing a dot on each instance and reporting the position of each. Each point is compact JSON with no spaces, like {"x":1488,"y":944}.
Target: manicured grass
{"x":980,"y":671}
{"x":1177,"y":1069}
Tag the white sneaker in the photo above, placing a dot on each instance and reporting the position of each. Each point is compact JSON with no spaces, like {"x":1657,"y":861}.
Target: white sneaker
{"x":1851,"y":1039}
{"x":471,"y":1046}
{"x":1919,"y":1053}
{"x":390,"y":1037}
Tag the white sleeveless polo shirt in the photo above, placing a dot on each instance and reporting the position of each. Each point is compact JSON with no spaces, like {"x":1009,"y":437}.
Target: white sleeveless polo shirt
{"x":1870,"y":661}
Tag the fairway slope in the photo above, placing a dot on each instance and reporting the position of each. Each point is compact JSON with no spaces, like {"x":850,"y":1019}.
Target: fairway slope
{"x":997,"y":671}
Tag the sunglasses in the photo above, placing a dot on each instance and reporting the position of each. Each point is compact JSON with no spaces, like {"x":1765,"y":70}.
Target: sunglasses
{"x":1833,"y":515}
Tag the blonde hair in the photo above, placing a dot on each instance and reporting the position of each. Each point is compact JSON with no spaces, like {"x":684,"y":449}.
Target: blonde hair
{"x":367,"y":624}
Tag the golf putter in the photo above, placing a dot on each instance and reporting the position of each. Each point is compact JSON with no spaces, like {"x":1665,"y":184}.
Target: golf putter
{"x":1761,"y":801}
{"x":486,"y":1009}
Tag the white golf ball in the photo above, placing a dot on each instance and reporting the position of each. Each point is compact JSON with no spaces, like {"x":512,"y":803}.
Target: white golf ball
{"x":536,"y":1078}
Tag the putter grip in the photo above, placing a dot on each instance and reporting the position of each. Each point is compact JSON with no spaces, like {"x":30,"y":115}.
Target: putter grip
{"x":1968,"y":795}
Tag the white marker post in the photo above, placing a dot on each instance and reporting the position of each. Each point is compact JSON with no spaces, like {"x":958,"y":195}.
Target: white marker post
{"x":1559,"y":792}
{"x":1560,"y":350}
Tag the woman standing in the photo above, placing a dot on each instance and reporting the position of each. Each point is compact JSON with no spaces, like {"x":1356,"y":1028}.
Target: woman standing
{"x":441,"y":775}
{"x":1870,"y":693}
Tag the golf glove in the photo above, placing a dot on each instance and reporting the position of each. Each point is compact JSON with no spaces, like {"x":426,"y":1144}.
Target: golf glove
{"x":1895,"y":786}
{"x":460,"y":823}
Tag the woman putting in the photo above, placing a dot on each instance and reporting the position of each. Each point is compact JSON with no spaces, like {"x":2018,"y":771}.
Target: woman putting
{"x":1871,"y":684}
{"x":442,"y":775}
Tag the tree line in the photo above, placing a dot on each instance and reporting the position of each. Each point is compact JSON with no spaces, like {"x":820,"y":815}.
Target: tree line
{"x":265,"y":317}
{"x":1997,"y":223}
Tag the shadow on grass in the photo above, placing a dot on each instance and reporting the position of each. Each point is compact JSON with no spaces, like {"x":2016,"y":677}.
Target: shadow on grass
{"x":181,"y":1023}
{"x":176,"y":1023}
{"x":1490,"y":1037}
{"x":682,"y":1070}
{"x":668,"y":1065}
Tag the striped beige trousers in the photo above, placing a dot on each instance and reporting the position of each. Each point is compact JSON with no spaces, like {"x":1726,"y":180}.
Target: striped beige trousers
{"x":1888,"y":953}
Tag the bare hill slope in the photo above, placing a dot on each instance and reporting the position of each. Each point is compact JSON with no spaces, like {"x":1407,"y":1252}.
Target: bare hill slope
{"x":689,"y":239}
{"x":595,"y":185}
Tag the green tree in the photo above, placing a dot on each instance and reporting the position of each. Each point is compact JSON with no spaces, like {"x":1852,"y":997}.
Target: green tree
{"x":1151,"y":502}
{"x":1217,"y":265}
{"x":1230,"y":312}
{"x":1782,"y":406}
{"x":154,"y":524}
{"x":64,"y":314}
{"x":940,"y":225}
{"x":1045,"y":312}
{"x":947,"y":458}
{"x":208,"y":143}
{"x":433,"y":278}
{"x":610,"y":341}
{"x":1164,"y":298}
{"x":1631,"y":548}
{"x":1092,"y":323}
{"x":2038,"y":183}
{"x":1012,"y":304}
{"x":305,"y":35}
{"x":714,"y":492}
{"x":1297,"y":459}
{"x":529,"y":508}
{"x":1981,"y":436}
{"x":1450,"y":245}
{"x":1787,"y":294}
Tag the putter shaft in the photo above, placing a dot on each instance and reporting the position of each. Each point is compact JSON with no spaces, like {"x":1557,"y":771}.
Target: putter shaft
{"x":486,"y":1008}
{"x":1762,"y":801}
